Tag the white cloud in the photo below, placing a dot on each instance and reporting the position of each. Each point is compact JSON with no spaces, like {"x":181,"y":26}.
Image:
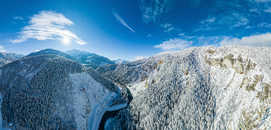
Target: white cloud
{"x":264,"y":25}
{"x":174,"y":44}
{"x":211,"y":20}
{"x":171,"y":52}
{"x":121,"y":20}
{"x":139,"y":58}
{"x":48,"y":25}
{"x":208,"y":20}
{"x":181,"y":34}
{"x":18,"y":18}
{"x":254,"y":40}
{"x":242,"y":22}
{"x":2,"y":49}
{"x":153,"y":10}
{"x":227,"y":19}
{"x":167,"y":27}
{"x":254,"y":10}
{"x":267,"y":10}
{"x":262,"y":1}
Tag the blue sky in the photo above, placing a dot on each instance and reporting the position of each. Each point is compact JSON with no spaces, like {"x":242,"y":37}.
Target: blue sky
{"x":132,"y":29}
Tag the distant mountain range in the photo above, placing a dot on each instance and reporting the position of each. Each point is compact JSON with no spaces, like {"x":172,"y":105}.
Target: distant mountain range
{"x":51,"y":52}
{"x":120,"y":61}
{"x":89,"y":59}
{"x":83,"y":57}
{"x":8,"y":57}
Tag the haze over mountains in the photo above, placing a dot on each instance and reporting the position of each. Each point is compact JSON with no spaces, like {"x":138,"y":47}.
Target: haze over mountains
{"x":196,"y":88}
{"x":8,"y":57}
{"x":82,"y":57}
{"x":89,"y":59}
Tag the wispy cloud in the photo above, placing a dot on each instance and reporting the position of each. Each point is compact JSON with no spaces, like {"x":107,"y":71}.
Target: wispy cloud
{"x":242,"y":22}
{"x":139,"y":58}
{"x":268,"y":10}
{"x":264,"y":25}
{"x":121,"y":20}
{"x":254,"y":40}
{"x":174,"y":44}
{"x":18,"y":18}
{"x":152,"y":10}
{"x":227,"y":20}
{"x":208,"y":20}
{"x":48,"y":25}
{"x":2,"y":49}
{"x":262,"y":1}
{"x":254,"y":10}
{"x":167,"y":27}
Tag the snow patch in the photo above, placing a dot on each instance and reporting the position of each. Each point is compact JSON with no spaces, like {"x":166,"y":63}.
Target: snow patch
{"x":95,"y":96}
{"x":137,"y":88}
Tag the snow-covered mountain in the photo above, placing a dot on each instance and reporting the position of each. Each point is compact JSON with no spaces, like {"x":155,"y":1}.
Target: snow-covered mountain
{"x":129,"y":72}
{"x":198,"y":88}
{"x":51,"y":52}
{"x":120,"y":61}
{"x":52,"y":92}
{"x":8,"y":57}
{"x":83,"y":57}
{"x":89,"y":59}
{"x":214,"y":88}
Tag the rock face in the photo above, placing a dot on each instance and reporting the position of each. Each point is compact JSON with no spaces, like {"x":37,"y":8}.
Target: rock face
{"x":197,"y":88}
{"x":52,"y":92}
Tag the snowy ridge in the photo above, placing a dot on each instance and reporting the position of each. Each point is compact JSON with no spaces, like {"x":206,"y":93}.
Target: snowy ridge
{"x":203,"y":88}
{"x":58,"y":92}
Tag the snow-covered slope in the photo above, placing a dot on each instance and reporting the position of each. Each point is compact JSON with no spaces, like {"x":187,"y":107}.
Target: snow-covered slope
{"x":128,"y":73}
{"x":52,"y":92}
{"x":8,"y":57}
{"x":120,"y":61}
{"x":198,"y":88}
{"x":89,"y":59}
{"x":51,"y":52}
{"x":82,"y":57}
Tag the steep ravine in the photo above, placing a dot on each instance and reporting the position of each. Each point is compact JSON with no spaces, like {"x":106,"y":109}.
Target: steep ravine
{"x":107,"y":116}
{"x":52,"y":92}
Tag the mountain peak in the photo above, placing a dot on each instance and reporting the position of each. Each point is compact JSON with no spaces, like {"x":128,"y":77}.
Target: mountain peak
{"x":89,"y":59}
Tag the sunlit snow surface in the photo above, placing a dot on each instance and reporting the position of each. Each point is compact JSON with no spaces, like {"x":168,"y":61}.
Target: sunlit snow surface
{"x":98,"y":97}
{"x":205,"y":88}
{"x":97,"y":100}
{"x":197,"y":88}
